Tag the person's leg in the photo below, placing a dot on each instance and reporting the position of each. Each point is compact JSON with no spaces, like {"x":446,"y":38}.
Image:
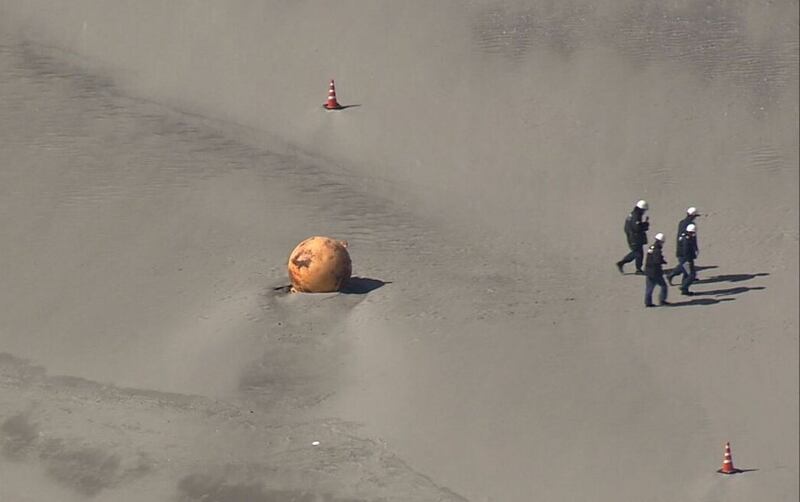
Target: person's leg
{"x":690,"y":275}
{"x":639,"y":253}
{"x":648,"y":292}
{"x":662,"y":298}
{"x":686,"y":278}
{"x":678,"y":270}
{"x":628,"y":257}
{"x":673,"y":272}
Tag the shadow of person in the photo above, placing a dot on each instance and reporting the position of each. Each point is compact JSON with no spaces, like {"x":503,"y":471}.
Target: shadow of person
{"x":700,"y":301}
{"x":705,"y":267}
{"x":361,"y":285}
{"x":729,"y":291}
{"x":730,"y":278}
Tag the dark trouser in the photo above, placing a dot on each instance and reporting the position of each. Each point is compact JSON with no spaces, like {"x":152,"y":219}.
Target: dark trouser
{"x":687,"y":268}
{"x":680,"y":268}
{"x":636,"y":254}
{"x":650,"y":285}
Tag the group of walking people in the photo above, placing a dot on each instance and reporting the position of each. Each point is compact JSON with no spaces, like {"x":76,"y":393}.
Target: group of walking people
{"x":686,"y":251}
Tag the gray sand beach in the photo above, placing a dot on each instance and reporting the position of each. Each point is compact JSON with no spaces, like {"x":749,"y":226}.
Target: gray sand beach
{"x":159,"y":162}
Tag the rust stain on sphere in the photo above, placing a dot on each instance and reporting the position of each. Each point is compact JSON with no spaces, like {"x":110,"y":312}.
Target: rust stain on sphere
{"x":319,"y":265}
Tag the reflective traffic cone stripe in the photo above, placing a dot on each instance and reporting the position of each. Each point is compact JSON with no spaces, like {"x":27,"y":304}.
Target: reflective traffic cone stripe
{"x":727,"y":461}
{"x":332,"y":104}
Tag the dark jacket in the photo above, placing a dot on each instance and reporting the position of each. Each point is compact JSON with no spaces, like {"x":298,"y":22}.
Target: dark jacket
{"x":687,"y":246}
{"x":654,"y":261}
{"x":681,"y":229}
{"x":636,"y":229}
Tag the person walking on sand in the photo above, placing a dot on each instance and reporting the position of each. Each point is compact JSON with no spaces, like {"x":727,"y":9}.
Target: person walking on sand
{"x":687,"y":252}
{"x":691,"y":215}
{"x":636,"y":234}
{"x":654,"y":272}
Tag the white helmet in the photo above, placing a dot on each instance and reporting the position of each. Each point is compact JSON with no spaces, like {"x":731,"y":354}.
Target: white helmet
{"x":659,"y":237}
{"x":642,"y":204}
{"x":691,"y":228}
{"x":691,"y":211}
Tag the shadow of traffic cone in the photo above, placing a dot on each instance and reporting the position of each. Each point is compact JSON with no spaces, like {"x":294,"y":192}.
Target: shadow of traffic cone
{"x":727,"y":462}
{"x":332,"y":104}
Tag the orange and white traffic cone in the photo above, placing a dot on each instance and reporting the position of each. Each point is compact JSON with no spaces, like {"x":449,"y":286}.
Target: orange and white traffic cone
{"x":727,"y":462}
{"x":332,"y":104}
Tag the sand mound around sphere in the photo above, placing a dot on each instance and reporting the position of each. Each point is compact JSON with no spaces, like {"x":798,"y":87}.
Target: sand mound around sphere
{"x":319,"y":265}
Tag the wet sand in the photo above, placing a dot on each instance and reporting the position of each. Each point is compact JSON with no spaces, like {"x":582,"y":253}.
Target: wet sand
{"x":489,"y":350}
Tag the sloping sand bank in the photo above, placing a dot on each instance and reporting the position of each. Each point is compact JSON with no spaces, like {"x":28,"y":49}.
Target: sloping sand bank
{"x":159,"y":161}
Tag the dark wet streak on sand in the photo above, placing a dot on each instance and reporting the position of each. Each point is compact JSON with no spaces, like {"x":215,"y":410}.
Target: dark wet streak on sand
{"x":191,"y":441}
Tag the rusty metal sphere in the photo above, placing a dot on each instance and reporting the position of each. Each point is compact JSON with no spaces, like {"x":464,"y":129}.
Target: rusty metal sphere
{"x":319,"y":265}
